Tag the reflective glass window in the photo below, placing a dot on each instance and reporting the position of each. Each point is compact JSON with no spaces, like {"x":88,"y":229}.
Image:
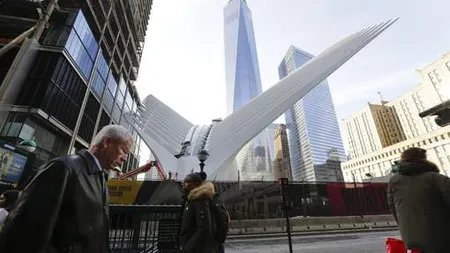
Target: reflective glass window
{"x":119,"y":99}
{"x":116,"y":113}
{"x":86,"y":35}
{"x":128,"y":99}
{"x":112,"y":83}
{"x":122,"y":86}
{"x":83,"y":47}
{"x":98,"y":84}
{"x":126,"y":108}
{"x":102,"y":67}
{"x":79,"y":54}
{"x":108,"y":100}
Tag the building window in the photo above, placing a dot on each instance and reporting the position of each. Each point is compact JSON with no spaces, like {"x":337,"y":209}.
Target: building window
{"x":60,"y":96}
{"x":82,"y":46}
{"x":104,"y":120}
{"x":98,"y":85}
{"x":89,"y":118}
{"x":108,"y":100}
{"x":436,"y":74}
{"x":432,"y":78}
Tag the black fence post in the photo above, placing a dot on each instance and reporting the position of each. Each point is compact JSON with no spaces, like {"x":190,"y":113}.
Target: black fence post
{"x":284,"y":182}
{"x":136,"y":226}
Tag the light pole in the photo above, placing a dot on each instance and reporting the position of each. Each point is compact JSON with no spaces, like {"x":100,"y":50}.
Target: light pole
{"x":202,"y":155}
{"x":304,"y":197}
{"x":284,"y":183}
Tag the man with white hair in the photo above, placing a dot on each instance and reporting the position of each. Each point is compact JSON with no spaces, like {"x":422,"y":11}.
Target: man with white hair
{"x":64,"y":208}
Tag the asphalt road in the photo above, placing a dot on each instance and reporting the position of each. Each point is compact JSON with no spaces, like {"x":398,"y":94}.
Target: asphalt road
{"x":363,"y":242}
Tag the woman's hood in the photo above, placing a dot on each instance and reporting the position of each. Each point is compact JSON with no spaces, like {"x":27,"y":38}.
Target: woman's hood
{"x":411,"y":168}
{"x":205,"y":190}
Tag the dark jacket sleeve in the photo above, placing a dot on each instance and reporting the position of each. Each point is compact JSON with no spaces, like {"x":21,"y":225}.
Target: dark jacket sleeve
{"x":443,"y":186}
{"x":204,"y":227}
{"x":29,"y":226}
{"x":391,"y":202}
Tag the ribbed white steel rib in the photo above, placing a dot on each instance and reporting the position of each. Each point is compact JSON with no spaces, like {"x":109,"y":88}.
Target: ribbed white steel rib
{"x":164,"y":126}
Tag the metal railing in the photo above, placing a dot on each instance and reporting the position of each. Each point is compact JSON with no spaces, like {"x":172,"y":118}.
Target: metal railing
{"x":144,"y":229}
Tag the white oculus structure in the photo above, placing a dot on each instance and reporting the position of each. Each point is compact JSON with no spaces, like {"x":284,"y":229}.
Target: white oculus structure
{"x":175,"y":141}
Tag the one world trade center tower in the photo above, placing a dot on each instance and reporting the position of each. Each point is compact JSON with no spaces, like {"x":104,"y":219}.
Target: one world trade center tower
{"x":243,"y":83}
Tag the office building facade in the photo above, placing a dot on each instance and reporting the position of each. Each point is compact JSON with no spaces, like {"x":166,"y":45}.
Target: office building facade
{"x":282,"y":161}
{"x":379,"y":163}
{"x":312,"y":125}
{"x":371,"y":129}
{"x":77,"y":76}
{"x":433,"y":89}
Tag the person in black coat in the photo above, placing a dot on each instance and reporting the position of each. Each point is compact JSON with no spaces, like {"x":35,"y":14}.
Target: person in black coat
{"x":64,"y":208}
{"x":197,"y":225}
{"x":419,"y":199}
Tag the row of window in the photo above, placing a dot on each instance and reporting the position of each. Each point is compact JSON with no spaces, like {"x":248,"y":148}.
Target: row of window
{"x":82,"y":47}
{"x":434,"y":76}
{"x":384,"y":168}
{"x":398,"y":151}
{"x":85,"y":34}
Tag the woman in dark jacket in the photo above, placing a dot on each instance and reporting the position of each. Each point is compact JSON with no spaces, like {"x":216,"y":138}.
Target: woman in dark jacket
{"x":419,"y":199}
{"x":196,"y":233}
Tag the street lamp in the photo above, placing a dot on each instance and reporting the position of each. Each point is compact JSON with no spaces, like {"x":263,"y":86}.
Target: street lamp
{"x":202,"y":155}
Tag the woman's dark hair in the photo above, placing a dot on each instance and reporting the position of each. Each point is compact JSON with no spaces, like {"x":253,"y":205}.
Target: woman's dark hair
{"x":414,"y":154}
{"x":11,"y":197}
{"x":197,"y":177}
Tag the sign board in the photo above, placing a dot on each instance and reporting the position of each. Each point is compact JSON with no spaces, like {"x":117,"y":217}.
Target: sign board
{"x":123,"y":192}
{"x":12,"y":164}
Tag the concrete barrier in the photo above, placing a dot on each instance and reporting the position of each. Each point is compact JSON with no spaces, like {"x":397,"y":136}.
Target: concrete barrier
{"x":305,"y":224}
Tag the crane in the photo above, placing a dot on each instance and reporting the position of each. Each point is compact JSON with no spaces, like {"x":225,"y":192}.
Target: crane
{"x":142,"y":169}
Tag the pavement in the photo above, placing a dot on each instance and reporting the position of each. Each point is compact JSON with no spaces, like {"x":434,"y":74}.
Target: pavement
{"x":358,"y":242}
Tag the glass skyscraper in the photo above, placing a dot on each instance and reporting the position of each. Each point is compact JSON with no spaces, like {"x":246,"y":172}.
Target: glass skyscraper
{"x":241,"y":60}
{"x":243,"y":81}
{"x":315,"y":141}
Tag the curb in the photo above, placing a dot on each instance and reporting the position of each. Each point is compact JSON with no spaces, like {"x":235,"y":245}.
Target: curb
{"x":317,"y":232}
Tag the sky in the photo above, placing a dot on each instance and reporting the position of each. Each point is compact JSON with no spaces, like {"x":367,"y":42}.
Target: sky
{"x":183,"y":60}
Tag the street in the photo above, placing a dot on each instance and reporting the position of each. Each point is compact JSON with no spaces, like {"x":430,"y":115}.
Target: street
{"x":365,"y":242}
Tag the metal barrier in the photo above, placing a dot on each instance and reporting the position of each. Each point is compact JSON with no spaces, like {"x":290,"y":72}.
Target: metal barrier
{"x":261,"y":200}
{"x":144,"y":229}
